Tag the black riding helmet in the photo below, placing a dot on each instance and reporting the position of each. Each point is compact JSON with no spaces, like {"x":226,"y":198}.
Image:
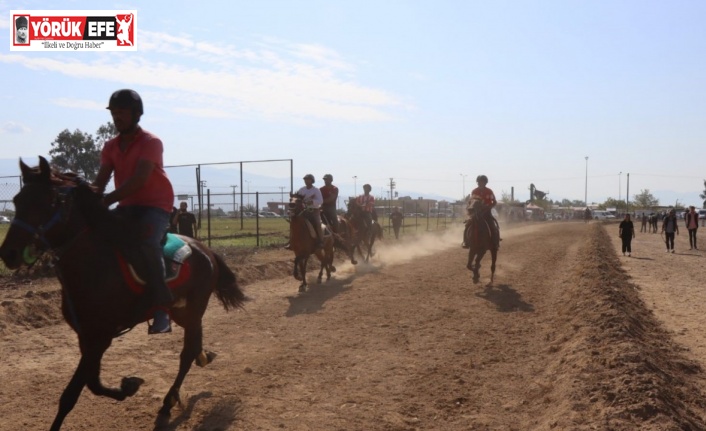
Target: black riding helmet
{"x":482,"y":179}
{"x":309,"y":176}
{"x":127,"y":99}
{"x":367,"y":187}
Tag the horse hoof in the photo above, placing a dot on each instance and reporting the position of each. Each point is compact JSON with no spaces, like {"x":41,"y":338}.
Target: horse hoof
{"x":354,"y":262}
{"x":333,"y":269}
{"x":297,"y":277}
{"x":302,"y":288}
{"x":130,"y":385}
{"x":162,"y":420}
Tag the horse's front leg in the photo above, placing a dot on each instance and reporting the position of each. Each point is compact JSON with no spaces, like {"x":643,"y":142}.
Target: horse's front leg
{"x":88,"y":374}
{"x":494,"y":257}
{"x":191,"y":352}
{"x":93,"y":356}
{"x":296,"y":269}
{"x":302,"y":268}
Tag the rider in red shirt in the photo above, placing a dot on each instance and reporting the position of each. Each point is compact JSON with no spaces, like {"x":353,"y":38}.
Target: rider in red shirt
{"x":485,"y":195}
{"x":143,"y":192}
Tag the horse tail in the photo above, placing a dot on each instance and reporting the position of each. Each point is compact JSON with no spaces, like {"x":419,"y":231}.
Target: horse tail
{"x":227,"y":290}
{"x":379,"y":231}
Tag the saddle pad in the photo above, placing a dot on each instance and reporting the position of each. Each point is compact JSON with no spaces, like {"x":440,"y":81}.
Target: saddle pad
{"x":176,"y":249}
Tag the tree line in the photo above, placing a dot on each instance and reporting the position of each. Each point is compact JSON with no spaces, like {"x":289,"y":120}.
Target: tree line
{"x":79,"y":152}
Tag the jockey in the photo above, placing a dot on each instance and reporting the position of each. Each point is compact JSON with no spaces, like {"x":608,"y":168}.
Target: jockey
{"x":313,"y":200}
{"x":487,"y":197}
{"x":367,"y":202}
{"x":329,"y":193}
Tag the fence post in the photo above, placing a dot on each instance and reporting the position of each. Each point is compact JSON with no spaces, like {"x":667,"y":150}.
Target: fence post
{"x":257,"y":218}
{"x":208,"y":215}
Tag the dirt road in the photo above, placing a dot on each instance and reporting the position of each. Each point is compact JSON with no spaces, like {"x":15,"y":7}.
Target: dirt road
{"x":562,"y":341}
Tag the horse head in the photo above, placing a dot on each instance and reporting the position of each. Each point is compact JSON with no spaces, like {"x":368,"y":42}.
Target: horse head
{"x":43,"y":211}
{"x":474,"y":208}
{"x":296,"y":205}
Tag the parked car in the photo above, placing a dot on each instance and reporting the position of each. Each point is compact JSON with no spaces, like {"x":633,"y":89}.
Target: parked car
{"x":603,"y":215}
{"x":5,"y":220}
{"x":268,"y":214}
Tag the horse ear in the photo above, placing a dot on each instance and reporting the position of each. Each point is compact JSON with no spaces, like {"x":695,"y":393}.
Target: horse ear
{"x":26,"y":170}
{"x":44,"y":169}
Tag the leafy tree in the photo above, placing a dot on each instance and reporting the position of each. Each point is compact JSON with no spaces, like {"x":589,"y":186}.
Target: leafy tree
{"x":507,"y":199}
{"x":703,"y":195}
{"x":644,"y":199}
{"x":104,"y":133}
{"x":77,"y":152}
{"x":613,"y":203}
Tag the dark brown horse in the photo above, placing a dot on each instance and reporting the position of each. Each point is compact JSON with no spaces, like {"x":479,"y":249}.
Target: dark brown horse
{"x":480,"y":236}
{"x":304,"y":244}
{"x":364,"y":235}
{"x":59,"y":213}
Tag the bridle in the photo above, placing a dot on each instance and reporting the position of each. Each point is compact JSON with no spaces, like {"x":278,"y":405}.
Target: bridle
{"x":61,"y":208}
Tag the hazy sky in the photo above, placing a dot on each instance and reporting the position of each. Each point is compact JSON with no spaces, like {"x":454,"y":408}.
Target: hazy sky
{"x":431,"y":93}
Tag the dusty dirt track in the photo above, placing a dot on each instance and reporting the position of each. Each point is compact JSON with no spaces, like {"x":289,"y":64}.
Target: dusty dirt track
{"x":572,"y":336}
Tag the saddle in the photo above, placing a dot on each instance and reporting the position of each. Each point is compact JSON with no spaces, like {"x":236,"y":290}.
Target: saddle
{"x":312,"y":231}
{"x":175,"y":251}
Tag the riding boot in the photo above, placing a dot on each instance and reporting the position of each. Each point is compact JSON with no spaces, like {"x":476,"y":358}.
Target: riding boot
{"x":320,"y":234}
{"x":159,"y":294}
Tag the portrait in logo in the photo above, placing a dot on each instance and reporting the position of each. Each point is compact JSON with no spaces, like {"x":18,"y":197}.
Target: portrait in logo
{"x":21,"y":30}
{"x":124,"y":29}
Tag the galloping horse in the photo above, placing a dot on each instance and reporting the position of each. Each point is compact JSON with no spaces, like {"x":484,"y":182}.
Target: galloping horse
{"x":480,"y":237}
{"x":302,"y":241}
{"x":59,"y":213}
{"x":364,"y":235}
{"x":343,"y":238}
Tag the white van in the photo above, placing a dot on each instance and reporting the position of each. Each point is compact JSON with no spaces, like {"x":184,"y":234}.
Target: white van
{"x":603,"y":215}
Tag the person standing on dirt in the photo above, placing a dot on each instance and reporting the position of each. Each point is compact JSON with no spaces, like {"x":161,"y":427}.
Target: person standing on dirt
{"x":692,"y":225}
{"x":669,"y":228}
{"x":643,"y":226}
{"x":626,"y":232}
{"x":396,"y":218}
{"x":185,"y":221}
{"x":329,"y":193}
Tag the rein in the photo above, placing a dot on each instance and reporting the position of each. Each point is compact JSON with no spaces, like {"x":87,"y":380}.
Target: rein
{"x":61,"y":208}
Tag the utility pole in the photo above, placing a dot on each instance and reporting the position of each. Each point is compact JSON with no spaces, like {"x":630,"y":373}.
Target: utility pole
{"x":234,"y":187}
{"x":585,"y":193}
{"x":627,"y":196}
{"x":281,"y":199}
{"x":392,"y":187}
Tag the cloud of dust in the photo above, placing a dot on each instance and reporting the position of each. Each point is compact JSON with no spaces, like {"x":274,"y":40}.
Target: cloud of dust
{"x":390,"y":251}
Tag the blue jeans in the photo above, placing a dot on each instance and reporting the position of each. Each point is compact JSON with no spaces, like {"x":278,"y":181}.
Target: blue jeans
{"x":151,"y":224}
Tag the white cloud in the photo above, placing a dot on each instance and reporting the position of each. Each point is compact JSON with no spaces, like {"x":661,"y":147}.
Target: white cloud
{"x":78,"y":103}
{"x":14,"y":128}
{"x":277,"y":80}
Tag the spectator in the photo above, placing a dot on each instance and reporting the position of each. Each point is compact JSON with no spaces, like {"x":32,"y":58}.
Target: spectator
{"x":185,"y":222}
{"x":626,"y":232}
{"x":670,"y":227}
{"x":692,"y":225}
{"x":172,"y":225}
{"x":396,"y":218}
{"x":643,"y":227}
